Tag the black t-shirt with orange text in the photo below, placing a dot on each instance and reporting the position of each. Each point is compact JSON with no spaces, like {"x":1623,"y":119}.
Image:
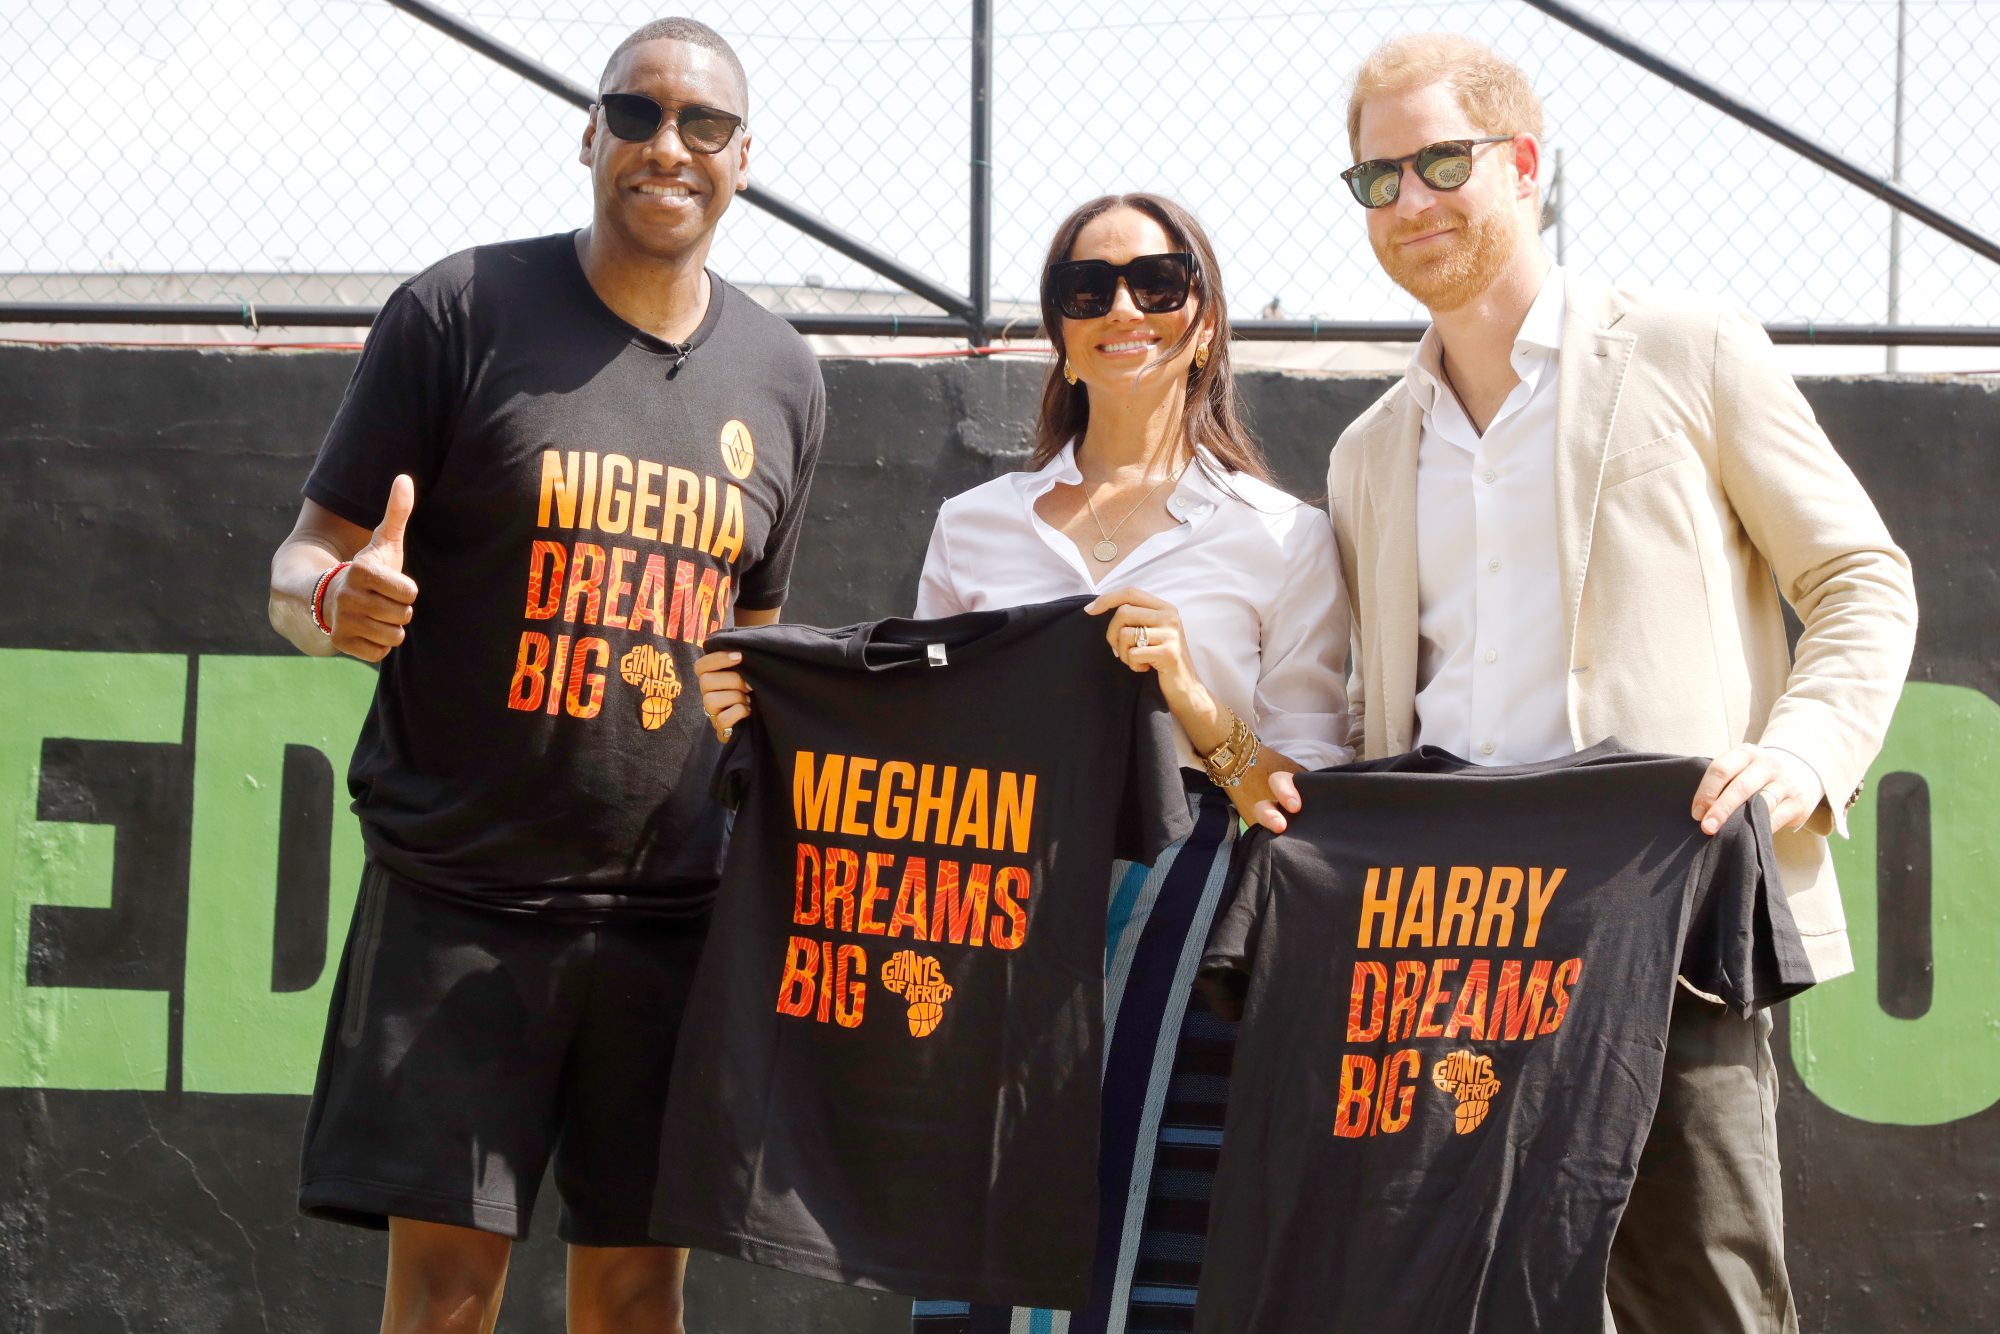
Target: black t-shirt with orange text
{"x":1455,"y":984}
{"x":888,"y":1073}
{"x":591,"y":504}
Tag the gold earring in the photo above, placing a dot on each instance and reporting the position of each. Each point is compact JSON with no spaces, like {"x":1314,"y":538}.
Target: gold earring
{"x":1069,"y":371}
{"x":1200,"y":355}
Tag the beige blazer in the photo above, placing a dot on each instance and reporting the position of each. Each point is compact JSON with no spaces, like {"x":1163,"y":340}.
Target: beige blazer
{"x":1692,"y":486}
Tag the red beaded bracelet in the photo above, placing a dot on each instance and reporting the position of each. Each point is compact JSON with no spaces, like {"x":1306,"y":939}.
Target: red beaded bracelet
{"x":319,"y":597}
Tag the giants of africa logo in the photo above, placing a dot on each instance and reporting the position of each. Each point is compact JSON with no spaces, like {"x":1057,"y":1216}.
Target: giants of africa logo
{"x":1469,"y":1078}
{"x":653,"y":672}
{"x":739,"y":451}
{"x":918,"y":979}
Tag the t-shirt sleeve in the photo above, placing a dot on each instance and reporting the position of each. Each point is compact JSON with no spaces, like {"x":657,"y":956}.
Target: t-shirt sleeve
{"x":1744,"y":945}
{"x":1226,"y":961}
{"x":766,"y":584}
{"x":396,"y":416}
{"x":1153,"y":812}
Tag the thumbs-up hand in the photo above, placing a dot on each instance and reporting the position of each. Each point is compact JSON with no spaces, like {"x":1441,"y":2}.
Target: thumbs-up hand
{"x":370,"y":601}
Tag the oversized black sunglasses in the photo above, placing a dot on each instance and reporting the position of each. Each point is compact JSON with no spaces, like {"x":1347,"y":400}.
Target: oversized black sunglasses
{"x":1084,"y":289}
{"x":637,"y":117}
{"x":1445,"y":165}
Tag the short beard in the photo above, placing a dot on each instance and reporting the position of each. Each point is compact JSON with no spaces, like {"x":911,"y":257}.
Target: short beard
{"x":1458,"y":268}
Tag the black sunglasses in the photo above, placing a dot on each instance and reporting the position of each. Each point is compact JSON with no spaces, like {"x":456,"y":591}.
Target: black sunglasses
{"x":1447,"y":165}
{"x":1083,"y":289}
{"x":637,"y":117}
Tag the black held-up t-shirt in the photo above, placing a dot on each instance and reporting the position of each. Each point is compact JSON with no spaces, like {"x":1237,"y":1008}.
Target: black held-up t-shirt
{"x":591,"y":504}
{"x":1455,"y":985}
{"x":889,"y":1070}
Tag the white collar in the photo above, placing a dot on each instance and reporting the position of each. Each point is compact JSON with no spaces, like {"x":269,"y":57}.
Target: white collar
{"x":1540,"y":337}
{"x":1197,"y":485}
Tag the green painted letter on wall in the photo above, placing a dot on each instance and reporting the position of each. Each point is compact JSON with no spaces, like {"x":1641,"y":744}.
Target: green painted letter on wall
{"x":73,"y":1037}
{"x":239,"y":1035}
{"x":1946,"y":1065}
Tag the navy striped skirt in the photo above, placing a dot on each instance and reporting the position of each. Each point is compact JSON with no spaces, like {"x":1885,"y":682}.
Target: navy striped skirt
{"x":1166,"y":1078}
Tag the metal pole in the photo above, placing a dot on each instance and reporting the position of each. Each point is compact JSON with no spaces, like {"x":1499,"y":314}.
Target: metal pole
{"x":244,"y":314}
{"x":998,"y":327}
{"x":456,"y":28}
{"x":981,"y":242}
{"x":836,"y":240}
{"x":1896,"y":175}
{"x":1696,"y":86}
{"x":534,"y":71}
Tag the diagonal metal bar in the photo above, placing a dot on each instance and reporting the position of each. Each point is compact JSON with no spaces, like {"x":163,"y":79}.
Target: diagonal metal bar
{"x":535,"y":72}
{"x":1694,"y":85}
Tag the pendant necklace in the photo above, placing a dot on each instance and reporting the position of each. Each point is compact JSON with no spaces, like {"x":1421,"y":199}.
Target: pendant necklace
{"x":1106,"y":550}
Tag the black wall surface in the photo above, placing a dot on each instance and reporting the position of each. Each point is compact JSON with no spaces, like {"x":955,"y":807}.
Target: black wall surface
{"x":175,"y":869}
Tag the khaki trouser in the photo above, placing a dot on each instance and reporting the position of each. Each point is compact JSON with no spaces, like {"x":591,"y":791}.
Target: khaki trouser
{"x":1701,"y":1249}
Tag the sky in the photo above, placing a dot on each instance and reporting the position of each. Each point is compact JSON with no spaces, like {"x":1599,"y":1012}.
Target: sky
{"x":273,"y":136}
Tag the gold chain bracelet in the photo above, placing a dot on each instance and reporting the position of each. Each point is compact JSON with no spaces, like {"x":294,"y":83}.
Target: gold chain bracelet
{"x":1228,"y":762}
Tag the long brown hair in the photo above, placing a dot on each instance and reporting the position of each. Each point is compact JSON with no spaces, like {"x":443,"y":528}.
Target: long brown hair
{"x":1210,"y":418}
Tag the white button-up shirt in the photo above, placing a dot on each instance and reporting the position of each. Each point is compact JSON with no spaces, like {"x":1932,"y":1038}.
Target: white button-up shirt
{"x":1492,"y":664}
{"x":1251,"y":570}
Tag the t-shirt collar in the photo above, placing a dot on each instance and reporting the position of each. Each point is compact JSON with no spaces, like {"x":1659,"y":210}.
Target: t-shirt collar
{"x":637,"y":336}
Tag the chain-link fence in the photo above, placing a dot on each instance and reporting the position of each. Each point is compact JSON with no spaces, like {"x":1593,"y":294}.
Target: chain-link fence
{"x":314,"y":151}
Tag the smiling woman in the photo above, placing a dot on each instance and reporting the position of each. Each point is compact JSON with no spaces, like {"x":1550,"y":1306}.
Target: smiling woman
{"x":1146,"y":490}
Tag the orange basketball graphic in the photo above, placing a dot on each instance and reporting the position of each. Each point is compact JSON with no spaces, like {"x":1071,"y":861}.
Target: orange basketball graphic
{"x":918,"y":979}
{"x":653,"y":672}
{"x":739,"y":451}
{"x":1469,"y":1078}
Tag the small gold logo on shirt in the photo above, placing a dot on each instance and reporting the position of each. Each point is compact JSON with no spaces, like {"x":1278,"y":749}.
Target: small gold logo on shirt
{"x":653,"y":672}
{"x":918,"y":979}
{"x":1469,"y":1078}
{"x":739,"y":451}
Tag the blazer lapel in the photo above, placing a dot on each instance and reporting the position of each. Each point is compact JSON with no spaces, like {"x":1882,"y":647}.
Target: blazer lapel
{"x":1593,"y":362}
{"x":1393,"y":479}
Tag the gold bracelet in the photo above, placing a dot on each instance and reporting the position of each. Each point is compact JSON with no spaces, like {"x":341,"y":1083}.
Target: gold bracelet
{"x":1228,"y":762}
{"x":1217,"y":761}
{"x":1244,"y":765}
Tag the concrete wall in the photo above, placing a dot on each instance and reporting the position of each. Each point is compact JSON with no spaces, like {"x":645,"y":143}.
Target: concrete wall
{"x":176,"y":860}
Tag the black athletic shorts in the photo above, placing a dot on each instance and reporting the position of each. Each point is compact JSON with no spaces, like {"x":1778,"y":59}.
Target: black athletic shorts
{"x":465,"y":1047}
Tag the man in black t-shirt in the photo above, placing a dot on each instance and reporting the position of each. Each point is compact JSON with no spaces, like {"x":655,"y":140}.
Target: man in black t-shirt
{"x":589,"y":453}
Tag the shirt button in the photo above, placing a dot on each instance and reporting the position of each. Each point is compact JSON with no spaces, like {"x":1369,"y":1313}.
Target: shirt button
{"x":1493,"y":655}
{"x":1494,"y":565}
{"x":1486,"y":748}
{"x":1488,"y":476}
